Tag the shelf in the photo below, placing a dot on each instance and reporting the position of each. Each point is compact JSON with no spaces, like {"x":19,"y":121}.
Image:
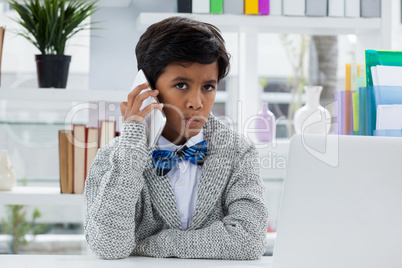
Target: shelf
{"x":64,"y":95}
{"x":73,"y":95}
{"x":48,"y":123}
{"x":39,"y":196}
{"x":103,"y":3}
{"x":273,"y":24}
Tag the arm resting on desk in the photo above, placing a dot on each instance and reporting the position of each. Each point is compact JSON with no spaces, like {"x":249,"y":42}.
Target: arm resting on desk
{"x":239,"y":235}
{"x":113,"y":185}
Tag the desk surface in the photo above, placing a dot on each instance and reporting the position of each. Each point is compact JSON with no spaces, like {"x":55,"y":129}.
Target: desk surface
{"x":86,"y":261}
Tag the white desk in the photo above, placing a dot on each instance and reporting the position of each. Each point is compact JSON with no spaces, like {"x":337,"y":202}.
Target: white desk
{"x":87,"y":261}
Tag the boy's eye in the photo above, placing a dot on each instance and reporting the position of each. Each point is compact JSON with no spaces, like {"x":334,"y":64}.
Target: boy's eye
{"x":181,"y":86}
{"x":208,"y":87}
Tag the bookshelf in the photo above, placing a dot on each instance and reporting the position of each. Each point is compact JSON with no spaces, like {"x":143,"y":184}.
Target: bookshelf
{"x":373,"y":32}
{"x":64,"y":95}
{"x":274,"y":24}
{"x":103,"y":3}
{"x":70,"y":95}
{"x":39,"y":196}
{"x":370,"y":33}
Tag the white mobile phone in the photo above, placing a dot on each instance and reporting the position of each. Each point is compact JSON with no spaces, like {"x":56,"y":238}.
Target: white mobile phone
{"x":155,"y":121}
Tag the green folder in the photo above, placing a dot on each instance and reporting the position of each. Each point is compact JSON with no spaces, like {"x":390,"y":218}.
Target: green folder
{"x":380,"y":57}
{"x":374,"y":58}
{"x":216,"y":6}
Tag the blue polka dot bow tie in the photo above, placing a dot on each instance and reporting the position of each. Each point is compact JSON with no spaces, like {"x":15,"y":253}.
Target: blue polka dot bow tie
{"x":164,"y":160}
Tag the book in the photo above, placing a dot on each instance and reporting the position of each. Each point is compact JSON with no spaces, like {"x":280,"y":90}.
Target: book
{"x":65,"y":161}
{"x":342,"y":113}
{"x":316,"y":8}
{"x":360,"y":82}
{"x":353,"y":77}
{"x":389,"y":117}
{"x":107,"y":132}
{"x":92,"y":145}
{"x":184,"y":6}
{"x":70,"y":160}
{"x":216,"y":6}
{"x":337,"y":110}
{"x":79,"y":140}
{"x":104,"y":111}
{"x":336,"y":8}
{"x":352,"y":8}
{"x":370,"y":8}
{"x":348,"y":99}
{"x":275,"y":7}
{"x":251,"y":7}
{"x":355,"y":111}
{"x":233,"y":6}
{"x":2,"y":31}
{"x":200,"y":6}
{"x":294,"y":7}
{"x":263,"y":7}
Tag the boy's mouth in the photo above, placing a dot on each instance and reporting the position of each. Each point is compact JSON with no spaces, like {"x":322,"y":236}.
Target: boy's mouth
{"x":191,"y":121}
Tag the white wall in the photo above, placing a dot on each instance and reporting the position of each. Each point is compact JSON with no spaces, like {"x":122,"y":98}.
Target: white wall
{"x":113,"y":63}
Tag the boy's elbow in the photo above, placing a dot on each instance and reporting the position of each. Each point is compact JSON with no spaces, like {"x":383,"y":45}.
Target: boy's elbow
{"x":254,"y":249}
{"x":107,"y":251}
{"x":107,"y":255}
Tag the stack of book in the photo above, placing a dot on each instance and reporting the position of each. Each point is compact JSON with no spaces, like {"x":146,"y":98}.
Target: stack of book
{"x":77,"y":150}
{"x":317,"y":8}
{"x":371,"y":103}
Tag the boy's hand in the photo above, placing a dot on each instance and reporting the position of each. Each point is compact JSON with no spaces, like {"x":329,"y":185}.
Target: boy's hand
{"x":131,"y":109}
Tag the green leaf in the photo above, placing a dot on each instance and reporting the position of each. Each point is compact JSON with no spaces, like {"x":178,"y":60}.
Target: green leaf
{"x":48,"y":24}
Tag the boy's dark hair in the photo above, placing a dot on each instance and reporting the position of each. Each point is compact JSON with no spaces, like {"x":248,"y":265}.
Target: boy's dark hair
{"x":180,"y":40}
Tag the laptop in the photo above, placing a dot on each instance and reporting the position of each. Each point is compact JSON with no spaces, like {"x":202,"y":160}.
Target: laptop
{"x":341,"y":203}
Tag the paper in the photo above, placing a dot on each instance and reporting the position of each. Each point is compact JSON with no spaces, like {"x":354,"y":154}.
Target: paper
{"x":389,"y":75}
{"x":389,"y":117}
{"x":374,"y":75}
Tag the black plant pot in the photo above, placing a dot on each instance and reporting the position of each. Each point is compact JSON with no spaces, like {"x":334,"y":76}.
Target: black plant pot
{"x":52,"y":70}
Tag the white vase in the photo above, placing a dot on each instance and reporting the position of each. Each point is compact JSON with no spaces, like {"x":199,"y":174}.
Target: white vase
{"x":312,"y":118}
{"x":7,"y":173}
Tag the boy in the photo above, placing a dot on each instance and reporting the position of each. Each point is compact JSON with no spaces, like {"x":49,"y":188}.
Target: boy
{"x":207,"y":201}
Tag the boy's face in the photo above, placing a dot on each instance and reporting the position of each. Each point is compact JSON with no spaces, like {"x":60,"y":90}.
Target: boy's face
{"x":187,"y":90}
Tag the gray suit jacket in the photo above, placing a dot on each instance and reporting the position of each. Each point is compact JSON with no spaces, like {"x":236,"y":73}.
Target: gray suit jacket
{"x":132,"y":211}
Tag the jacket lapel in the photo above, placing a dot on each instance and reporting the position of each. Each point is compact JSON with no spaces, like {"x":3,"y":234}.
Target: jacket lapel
{"x":216,"y":168}
{"x":162,"y":196}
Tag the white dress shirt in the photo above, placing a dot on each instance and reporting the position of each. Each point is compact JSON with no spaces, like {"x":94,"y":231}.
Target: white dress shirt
{"x":184,"y":177}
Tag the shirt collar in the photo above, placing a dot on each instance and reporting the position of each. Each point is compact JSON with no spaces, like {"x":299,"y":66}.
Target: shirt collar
{"x":164,"y":144}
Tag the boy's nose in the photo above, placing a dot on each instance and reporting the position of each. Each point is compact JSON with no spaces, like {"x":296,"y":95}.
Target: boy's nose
{"x":194,"y":101}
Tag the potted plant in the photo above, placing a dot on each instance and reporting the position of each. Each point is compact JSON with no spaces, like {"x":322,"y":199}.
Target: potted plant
{"x":48,"y":24}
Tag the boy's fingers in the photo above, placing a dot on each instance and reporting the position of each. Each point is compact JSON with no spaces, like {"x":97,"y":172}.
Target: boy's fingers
{"x":134,"y":93}
{"x":140,"y":98}
{"x":149,"y":108}
{"x":123,"y":108}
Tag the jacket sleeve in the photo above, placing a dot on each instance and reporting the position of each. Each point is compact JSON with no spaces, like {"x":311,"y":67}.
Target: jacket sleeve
{"x":240,"y":235}
{"x":112,"y":189}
